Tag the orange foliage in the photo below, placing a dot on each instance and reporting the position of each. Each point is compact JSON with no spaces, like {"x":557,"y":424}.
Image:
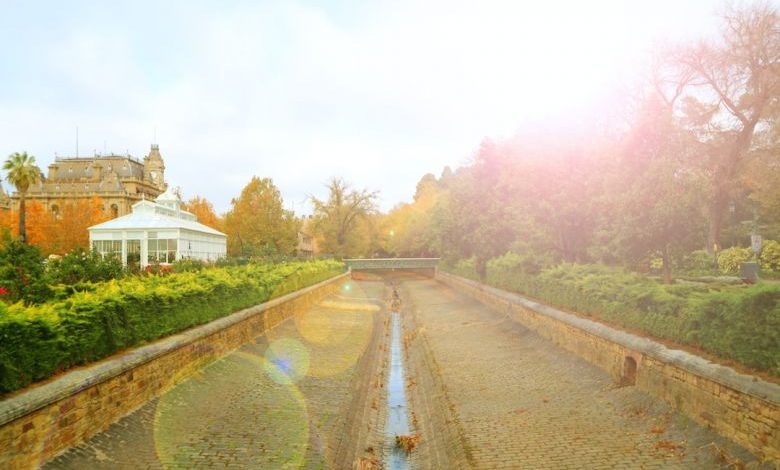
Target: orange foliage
{"x":204,"y":211}
{"x":57,"y":234}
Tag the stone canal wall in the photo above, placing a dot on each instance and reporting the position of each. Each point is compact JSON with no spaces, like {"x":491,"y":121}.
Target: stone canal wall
{"x":743,"y":408}
{"x":41,"y":421}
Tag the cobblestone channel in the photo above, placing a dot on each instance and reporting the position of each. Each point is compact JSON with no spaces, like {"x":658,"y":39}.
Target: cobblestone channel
{"x":483,"y":392}
{"x":515,"y":400}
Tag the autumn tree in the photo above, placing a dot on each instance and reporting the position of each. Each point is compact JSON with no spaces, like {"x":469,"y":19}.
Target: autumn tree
{"x":69,"y":227}
{"x":406,"y":230}
{"x":257,"y":223}
{"x":727,"y":90}
{"x":202,"y":208}
{"x":342,"y":221}
{"x":60,"y":232}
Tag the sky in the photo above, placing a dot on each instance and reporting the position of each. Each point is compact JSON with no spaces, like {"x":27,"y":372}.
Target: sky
{"x":376,"y":92}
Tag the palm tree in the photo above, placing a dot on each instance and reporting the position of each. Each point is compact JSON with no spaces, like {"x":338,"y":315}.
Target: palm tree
{"x":22,"y":172}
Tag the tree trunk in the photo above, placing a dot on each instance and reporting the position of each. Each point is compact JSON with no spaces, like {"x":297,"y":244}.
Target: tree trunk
{"x":22,"y":230}
{"x":725,"y":175}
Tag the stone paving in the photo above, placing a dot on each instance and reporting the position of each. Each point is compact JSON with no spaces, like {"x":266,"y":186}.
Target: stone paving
{"x":521,"y":402}
{"x":275,"y":403}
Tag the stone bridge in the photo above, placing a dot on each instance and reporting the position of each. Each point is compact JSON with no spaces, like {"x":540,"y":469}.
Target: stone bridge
{"x":425,"y":266}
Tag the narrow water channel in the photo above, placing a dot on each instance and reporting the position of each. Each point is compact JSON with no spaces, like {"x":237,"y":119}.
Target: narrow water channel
{"x":397,"y":420}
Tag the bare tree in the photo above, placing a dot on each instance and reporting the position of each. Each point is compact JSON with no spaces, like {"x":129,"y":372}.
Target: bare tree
{"x":337,"y":217}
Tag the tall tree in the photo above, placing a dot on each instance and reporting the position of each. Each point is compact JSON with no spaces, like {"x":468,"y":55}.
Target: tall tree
{"x":728,"y":90}
{"x":654,"y":194}
{"x":337,"y":218}
{"x":22,"y":172}
{"x":406,"y":229}
{"x":204,"y":211}
{"x":258,"y":224}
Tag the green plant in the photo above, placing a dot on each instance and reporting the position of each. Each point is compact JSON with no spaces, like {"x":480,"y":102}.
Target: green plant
{"x":92,"y":323}
{"x":466,"y":268}
{"x":770,"y":256}
{"x":187,"y":265}
{"x":730,"y":259}
{"x":697,"y":262}
{"x":22,"y":272}
{"x":80,"y":266}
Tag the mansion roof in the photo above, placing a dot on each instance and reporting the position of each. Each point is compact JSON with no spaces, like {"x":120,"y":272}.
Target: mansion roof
{"x":102,"y":174}
{"x":67,"y":169}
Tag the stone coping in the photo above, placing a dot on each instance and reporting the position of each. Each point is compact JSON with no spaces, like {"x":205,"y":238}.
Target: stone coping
{"x":77,"y":380}
{"x":692,"y":363}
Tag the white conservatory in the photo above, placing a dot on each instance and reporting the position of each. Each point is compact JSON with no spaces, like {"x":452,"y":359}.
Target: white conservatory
{"x":158,"y":232}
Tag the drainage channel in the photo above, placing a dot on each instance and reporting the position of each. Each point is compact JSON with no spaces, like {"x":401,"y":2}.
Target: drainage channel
{"x":397,"y":420}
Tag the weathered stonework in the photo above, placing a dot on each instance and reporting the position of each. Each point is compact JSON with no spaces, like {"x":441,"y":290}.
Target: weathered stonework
{"x":742,"y":408}
{"x":42,"y":421}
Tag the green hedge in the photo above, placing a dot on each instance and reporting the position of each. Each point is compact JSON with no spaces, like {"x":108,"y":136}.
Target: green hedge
{"x":734,"y":322}
{"x":37,"y":341}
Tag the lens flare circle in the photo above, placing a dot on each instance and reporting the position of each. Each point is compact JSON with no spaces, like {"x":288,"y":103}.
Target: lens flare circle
{"x":286,"y":360}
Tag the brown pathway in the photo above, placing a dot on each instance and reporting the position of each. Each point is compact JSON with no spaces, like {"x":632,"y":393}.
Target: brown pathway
{"x":522,"y":402}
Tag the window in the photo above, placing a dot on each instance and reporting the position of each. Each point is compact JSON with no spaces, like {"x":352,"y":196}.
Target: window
{"x":161,"y":251}
{"x":108,"y":247}
{"x":133,"y":252}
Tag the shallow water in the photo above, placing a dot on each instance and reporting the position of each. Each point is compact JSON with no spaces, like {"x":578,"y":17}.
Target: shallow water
{"x":397,"y":419}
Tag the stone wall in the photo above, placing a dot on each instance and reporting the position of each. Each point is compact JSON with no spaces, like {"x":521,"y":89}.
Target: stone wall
{"x":740,"y":407}
{"x":39,"y":422}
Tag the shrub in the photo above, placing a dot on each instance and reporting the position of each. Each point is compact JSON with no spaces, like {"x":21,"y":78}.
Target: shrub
{"x":740,"y":324}
{"x":22,"y":273}
{"x":80,"y":266}
{"x":697,"y":262}
{"x":30,"y":348}
{"x":187,"y":265}
{"x":730,"y":259}
{"x":526,"y":263}
{"x":36,"y":341}
{"x":770,"y":256}
{"x":466,"y":268}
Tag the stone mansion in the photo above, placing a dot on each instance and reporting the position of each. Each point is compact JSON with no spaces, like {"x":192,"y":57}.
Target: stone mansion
{"x":119,"y":180}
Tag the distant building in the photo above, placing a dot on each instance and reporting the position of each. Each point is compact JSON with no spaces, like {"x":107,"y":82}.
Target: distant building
{"x":307,"y":244}
{"x":305,"y":248}
{"x":158,"y":232}
{"x":119,"y":180}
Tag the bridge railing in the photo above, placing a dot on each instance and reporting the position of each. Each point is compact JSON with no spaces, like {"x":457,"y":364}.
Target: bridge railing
{"x":391,"y":263}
